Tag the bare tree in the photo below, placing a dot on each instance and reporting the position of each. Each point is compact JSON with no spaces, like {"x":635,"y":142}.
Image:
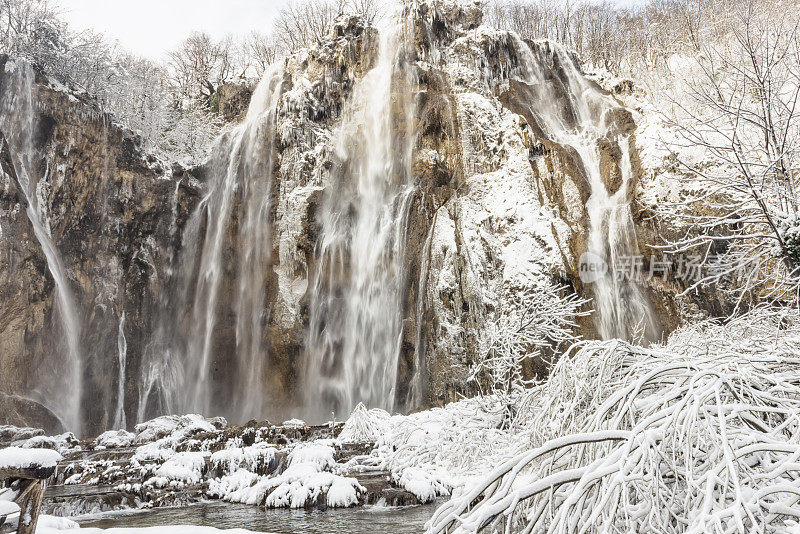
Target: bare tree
{"x":201,"y":64}
{"x":531,"y":324}
{"x":260,"y":51}
{"x":306,"y":23}
{"x":743,"y":110}
{"x":24,"y":24}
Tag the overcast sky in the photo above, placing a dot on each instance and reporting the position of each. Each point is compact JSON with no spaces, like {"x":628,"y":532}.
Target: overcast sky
{"x":151,"y":27}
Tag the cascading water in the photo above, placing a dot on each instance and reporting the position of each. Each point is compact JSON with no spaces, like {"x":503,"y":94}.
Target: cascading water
{"x":355,"y":305}
{"x":242,"y":160}
{"x":241,"y":167}
{"x":622,"y":309}
{"x":122,"y":360}
{"x":17,"y":125}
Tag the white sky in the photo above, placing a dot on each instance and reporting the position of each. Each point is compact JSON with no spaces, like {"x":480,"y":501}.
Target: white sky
{"x":152,"y":27}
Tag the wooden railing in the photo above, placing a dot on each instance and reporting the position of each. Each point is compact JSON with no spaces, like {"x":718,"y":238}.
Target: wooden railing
{"x":30,"y":482}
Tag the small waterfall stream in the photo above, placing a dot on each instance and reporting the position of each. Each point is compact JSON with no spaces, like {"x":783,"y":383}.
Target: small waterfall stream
{"x":183,"y":367}
{"x":18,"y":125}
{"x":621,"y":308}
{"x":122,"y":357}
{"x":355,"y":307}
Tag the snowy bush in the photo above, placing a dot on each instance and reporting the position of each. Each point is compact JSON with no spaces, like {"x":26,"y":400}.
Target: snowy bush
{"x":425,"y":485}
{"x":254,"y":458}
{"x":183,"y":468}
{"x":111,"y":439}
{"x":699,"y":435}
{"x":531,"y":325}
{"x":364,"y":426}
{"x":316,"y":453}
{"x":297,"y":493}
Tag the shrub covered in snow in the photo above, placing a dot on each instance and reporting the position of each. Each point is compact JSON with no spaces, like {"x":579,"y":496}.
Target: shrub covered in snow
{"x":183,"y":468}
{"x":699,"y":435}
{"x":364,"y":426}
{"x":254,"y":458}
{"x":112,"y":439}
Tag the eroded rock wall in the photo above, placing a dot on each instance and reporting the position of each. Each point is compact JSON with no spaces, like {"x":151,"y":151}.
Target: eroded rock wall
{"x":498,"y":213}
{"x":114,"y":215}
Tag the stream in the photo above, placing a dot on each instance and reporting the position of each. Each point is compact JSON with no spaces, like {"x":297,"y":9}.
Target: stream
{"x":362,"y":520}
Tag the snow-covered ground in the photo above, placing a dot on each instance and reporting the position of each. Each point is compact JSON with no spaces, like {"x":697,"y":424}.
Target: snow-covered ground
{"x":54,"y":525}
{"x":700,"y":434}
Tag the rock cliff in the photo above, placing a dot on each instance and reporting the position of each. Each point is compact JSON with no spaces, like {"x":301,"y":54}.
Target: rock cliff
{"x":498,"y":211}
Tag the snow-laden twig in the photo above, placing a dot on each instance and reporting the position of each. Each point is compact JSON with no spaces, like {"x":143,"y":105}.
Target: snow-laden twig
{"x":699,"y":435}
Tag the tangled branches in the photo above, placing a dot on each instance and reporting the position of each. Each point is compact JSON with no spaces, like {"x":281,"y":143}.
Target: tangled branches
{"x":699,"y":435}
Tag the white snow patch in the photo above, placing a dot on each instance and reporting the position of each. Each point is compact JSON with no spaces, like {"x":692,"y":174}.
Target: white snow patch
{"x":113,"y":439}
{"x":20,"y":458}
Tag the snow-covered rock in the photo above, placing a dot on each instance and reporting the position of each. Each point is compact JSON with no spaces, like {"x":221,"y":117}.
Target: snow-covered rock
{"x":112,"y":439}
{"x":20,"y":458}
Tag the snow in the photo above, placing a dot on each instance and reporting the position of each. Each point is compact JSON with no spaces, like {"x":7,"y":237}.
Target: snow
{"x":176,"y":427}
{"x":363,"y":426}
{"x":167,"y":529}
{"x":302,"y":485}
{"x":239,"y":487}
{"x":342,"y":493}
{"x":614,"y":423}
{"x":11,"y":433}
{"x":113,"y":439}
{"x":424,"y":485}
{"x":61,"y":442}
{"x":315,"y":453}
{"x":183,"y":468}
{"x":162,"y":449}
{"x":20,"y":458}
{"x":8,"y":507}
{"x":294,"y":423}
{"x":251,"y":458}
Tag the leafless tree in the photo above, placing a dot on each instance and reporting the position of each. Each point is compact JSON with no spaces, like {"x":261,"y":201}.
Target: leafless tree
{"x":531,"y":324}
{"x":743,"y":111}
{"x":306,"y":23}
{"x":24,"y":22}
{"x":260,"y":51}
{"x":201,"y":64}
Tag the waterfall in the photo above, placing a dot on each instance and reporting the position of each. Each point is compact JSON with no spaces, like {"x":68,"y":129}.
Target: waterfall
{"x":242,"y":164}
{"x":17,"y":125}
{"x":221,"y":275}
{"x":622,"y":310}
{"x":355,"y":311}
{"x":122,"y":357}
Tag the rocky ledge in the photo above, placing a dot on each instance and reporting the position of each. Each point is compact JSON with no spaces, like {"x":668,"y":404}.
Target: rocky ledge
{"x":179,"y":460}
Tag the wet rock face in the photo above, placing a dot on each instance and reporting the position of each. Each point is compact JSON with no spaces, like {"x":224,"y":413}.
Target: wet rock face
{"x":115,"y":216}
{"x":231,"y":101}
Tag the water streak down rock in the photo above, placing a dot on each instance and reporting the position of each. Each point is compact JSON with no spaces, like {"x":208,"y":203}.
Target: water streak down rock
{"x":222,"y":271}
{"x":18,"y":127}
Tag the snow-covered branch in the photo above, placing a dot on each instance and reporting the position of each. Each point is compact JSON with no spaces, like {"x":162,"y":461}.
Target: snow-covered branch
{"x":699,"y":435}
